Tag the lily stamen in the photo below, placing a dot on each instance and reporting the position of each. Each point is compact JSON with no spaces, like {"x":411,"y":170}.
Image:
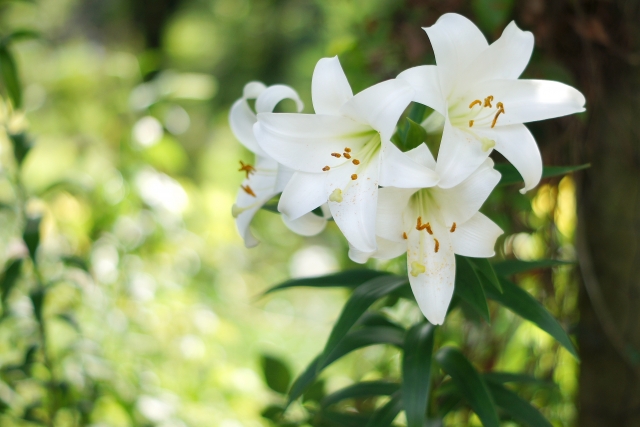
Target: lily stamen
{"x":246,"y":167}
{"x":420,"y":226}
{"x":356,"y":162}
{"x":470,"y":123}
{"x":336,"y":155}
{"x":326,"y":168}
{"x":477,"y":101}
{"x":487,"y":101}
{"x":404,"y":235}
{"x":248,"y":190}
{"x":495,"y":119}
{"x":346,"y":155}
{"x":347,"y":149}
{"x":453,"y":228}
{"x":354,"y":176}
{"x":437,"y":248}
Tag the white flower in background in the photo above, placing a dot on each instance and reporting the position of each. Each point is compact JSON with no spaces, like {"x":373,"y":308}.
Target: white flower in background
{"x":475,"y":88}
{"x":432,"y":225}
{"x":343,"y":152}
{"x":267,"y":178}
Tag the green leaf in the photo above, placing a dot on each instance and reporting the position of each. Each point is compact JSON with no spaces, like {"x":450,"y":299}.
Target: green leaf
{"x":491,"y":14}
{"x":9,"y":279}
{"x":31,"y":236}
{"x":70,"y":320}
{"x":487,"y":274}
{"x":416,"y":372}
{"x":10,"y":78}
{"x":315,"y":393}
{"x":360,"y":390}
{"x":338,"y":419}
{"x":524,"y":305}
{"x":18,"y":35}
{"x":515,"y":266}
{"x":470,"y":384}
{"x":21,"y":146}
{"x":384,"y":416}
{"x":276,"y":374}
{"x":37,"y":299}
{"x":354,"y":340}
{"x":272,"y":412}
{"x":510,"y":174}
{"x":509,"y":377}
{"x":518,"y":408}
{"x":412,"y":134}
{"x":469,"y":288}
{"x":75,"y":261}
{"x":344,"y":279}
{"x":361,"y":299}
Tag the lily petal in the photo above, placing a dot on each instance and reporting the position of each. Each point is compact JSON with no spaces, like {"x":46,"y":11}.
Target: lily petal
{"x":459,"y":203}
{"x":387,"y":249}
{"x":476,"y":237}
{"x":241,"y":121}
{"x":303,"y":193}
{"x":422,"y":155}
{"x":271,"y":96}
{"x":380,"y":106}
{"x":400,"y":170}
{"x":431,"y":274}
{"x":424,"y":80}
{"x":456,"y":42}
{"x":253,"y":89}
{"x":460,"y":154}
{"x":354,"y":210}
{"x":308,"y":224}
{"x":518,"y":146}
{"x":283,"y":177}
{"x":391,"y":205}
{"x":304,"y":142}
{"x":530,"y":100}
{"x":506,"y":58}
{"x":330,"y":88}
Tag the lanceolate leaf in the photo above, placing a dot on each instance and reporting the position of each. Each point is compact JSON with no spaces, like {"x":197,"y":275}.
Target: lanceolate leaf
{"x":31,"y":236}
{"x":340,"y":419}
{"x":10,"y":77}
{"x":345,"y":279}
{"x":360,"y":390}
{"x":510,"y":175}
{"x":276,"y":374}
{"x":509,"y":377}
{"x":412,"y":134}
{"x":518,"y":408}
{"x":384,"y":416}
{"x":416,"y":372}
{"x":469,"y":288}
{"x":515,"y":266}
{"x":486,"y":272}
{"x":354,"y":340}
{"x":470,"y":384}
{"x":8,"y":281}
{"x":361,"y":299}
{"x":524,"y":305}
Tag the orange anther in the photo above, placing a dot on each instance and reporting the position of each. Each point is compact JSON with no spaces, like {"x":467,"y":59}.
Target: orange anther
{"x":453,"y":227}
{"x":421,"y":226}
{"x":487,"y":101}
{"x":248,"y":190}
{"x":437,"y":245}
{"x":347,"y":149}
{"x":470,"y":123}
{"x":404,"y":236}
{"x":326,"y":168}
{"x":346,"y":155}
{"x":355,"y":162}
{"x":495,"y":119}
{"x":337,"y":155}
{"x":500,"y":106}
{"x":249,"y":169}
{"x":477,"y":101}
{"x":354,"y":176}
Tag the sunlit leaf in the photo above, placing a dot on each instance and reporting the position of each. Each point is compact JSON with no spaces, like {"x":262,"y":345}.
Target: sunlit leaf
{"x":510,"y":174}
{"x":21,"y":146}
{"x":276,"y":373}
{"x":344,"y":279}
{"x":31,"y":236}
{"x":416,"y":372}
{"x":487,"y":274}
{"x":384,"y":416}
{"x":469,"y":288}
{"x":524,"y":305}
{"x":518,"y":408}
{"x":361,"y":390}
{"x":515,"y":266}
{"x":9,"y":279}
{"x":411,"y":134}
{"x":10,"y":77}
{"x":470,"y":384}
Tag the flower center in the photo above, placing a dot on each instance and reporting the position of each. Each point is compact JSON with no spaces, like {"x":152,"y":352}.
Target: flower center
{"x":477,"y":114}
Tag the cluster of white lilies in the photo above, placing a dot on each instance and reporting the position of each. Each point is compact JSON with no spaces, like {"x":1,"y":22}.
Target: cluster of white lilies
{"x":386,"y":202}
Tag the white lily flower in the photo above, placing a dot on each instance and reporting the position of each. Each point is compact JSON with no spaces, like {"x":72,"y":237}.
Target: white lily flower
{"x":432,"y":225}
{"x":267,"y":178}
{"x":475,"y":88}
{"x":343,"y":152}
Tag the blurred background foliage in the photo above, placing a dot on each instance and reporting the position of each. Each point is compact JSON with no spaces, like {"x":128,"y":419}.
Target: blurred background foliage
{"x":141,"y":306}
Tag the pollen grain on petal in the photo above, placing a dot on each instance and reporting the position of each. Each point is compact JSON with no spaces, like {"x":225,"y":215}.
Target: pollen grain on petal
{"x":346,"y":155}
{"x":354,"y":176}
{"x":336,"y":155}
{"x":326,"y":168}
{"x":437,"y":248}
{"x":248,"y":190}
{"x":347,"y":149}
{"x":474,"y":103}
{"x":470,"y":123}
{"x":417,"y":268}
{"x":355,"y":162}
{"x":487,"y":101}
{"x":453,"y":227}
{"x":336,"y":196}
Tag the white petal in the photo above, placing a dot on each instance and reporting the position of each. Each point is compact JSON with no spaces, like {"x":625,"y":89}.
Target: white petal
{"x":456,"y":42}
{"x":460,"y":154}
{"x":330,"y":88}
{"x":283,"y":177}
{"x":243,"y":222}
{"x":459,"y":203}
{"x":272,"y":95}
{"x":506,"y":58}
{"x":386,"y":250}
{"x":261,"y":184}
{"x":425,"y":82}
{"x":422,"y":155}
{"x":304,"y":142}
{"x":308,"y":224}
{"x":432,"y":288}
{"x":303,"y":193}
{"x":476,"y":237}
{"x":518,"y":146}
{"x":380,"y":106}
{"x":252,"y":90}
{"x":241,"y":121}
{"x":400,"y":170}
{"x":530,"y":100}
{"x":355,"y":214}
{"x":391,"y":204}
{"x":359,"y":256}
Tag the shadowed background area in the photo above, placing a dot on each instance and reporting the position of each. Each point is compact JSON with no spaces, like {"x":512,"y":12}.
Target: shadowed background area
{"x":145,"y":309}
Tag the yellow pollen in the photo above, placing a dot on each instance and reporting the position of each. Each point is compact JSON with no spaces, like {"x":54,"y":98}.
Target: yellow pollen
{"x":249,"y":169}
{"x":495,"y":119}
{"x":420,"y":226}
{"x":337,"y":155}
{"x":355,"y":162}
{"x":500,"y":106}
{"x":336,"y":196}
{"x":354,"y":176}
{"x":470,"y":123}
{"x":487,"y":101}
{"x":347,"y":149}
{"x":347,"y":155}
{"x":248,"y":190}
{"x":453,"y":227}
{"x":404,"y":235}
{"x":417,"y":268}
{"x":477,"y":101}
{"x":326,"y":168}
{"x":437,"y":245}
